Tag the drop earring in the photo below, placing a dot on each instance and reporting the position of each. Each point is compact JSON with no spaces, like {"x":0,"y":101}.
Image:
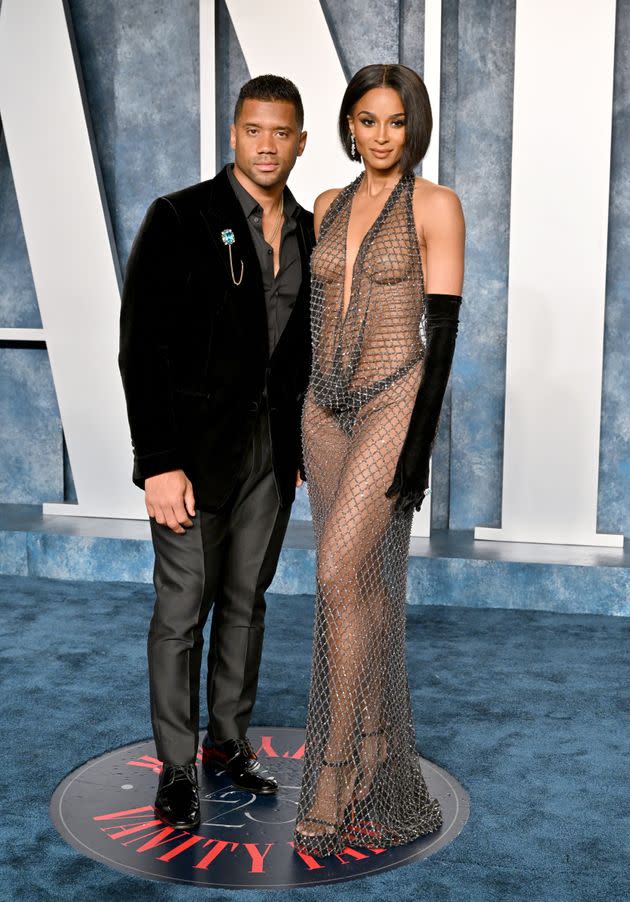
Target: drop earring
{"x":353,"y":148}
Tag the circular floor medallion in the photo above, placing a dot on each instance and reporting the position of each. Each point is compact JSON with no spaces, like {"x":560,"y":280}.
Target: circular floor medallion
{"x":105,"y":810}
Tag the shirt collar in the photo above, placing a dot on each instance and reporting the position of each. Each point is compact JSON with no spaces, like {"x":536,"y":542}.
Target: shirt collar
{"x":250,"y":205}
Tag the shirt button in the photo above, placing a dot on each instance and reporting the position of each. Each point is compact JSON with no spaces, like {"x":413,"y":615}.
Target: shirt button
{"x":270,"y":251}
{"x":255,"y":218}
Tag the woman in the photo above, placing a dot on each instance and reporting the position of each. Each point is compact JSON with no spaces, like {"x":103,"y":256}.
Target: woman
{"x":387,"y":276}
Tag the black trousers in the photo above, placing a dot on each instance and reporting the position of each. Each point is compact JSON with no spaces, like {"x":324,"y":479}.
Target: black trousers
{"x":226,"y":561}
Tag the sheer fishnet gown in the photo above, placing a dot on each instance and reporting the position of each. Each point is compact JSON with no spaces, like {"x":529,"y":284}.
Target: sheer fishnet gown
{"x":362,"y":781}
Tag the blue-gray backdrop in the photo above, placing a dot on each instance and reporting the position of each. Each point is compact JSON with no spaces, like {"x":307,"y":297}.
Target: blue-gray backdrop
{"x":140,"y":64}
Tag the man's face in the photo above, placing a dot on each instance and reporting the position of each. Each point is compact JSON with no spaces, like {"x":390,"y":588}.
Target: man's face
{"x":266,"y":141}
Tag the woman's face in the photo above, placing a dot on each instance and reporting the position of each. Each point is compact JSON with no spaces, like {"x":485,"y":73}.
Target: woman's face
{"x":378,"y":125}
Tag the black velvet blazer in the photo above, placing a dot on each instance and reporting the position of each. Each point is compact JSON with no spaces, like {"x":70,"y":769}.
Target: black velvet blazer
{"x":194,"y":355}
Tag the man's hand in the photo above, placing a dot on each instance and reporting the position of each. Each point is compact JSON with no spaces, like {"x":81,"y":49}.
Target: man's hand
{"x":169,"y":499}
{"x":298,"y":480}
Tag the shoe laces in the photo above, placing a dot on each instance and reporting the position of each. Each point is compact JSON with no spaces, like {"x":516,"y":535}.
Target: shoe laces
{"x":183,"y":772}
{"x":244,"y":747}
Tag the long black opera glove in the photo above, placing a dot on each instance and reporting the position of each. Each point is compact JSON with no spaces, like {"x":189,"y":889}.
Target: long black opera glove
{"x":411,"y":479}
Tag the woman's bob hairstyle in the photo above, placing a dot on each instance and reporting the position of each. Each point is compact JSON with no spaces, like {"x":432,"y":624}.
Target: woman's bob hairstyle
{"x":415,"y":100}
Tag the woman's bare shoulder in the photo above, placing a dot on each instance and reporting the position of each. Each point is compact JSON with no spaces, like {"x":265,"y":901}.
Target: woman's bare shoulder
{"x":322,"y":202}
{"x":437,"y":198}
{"x":436,"y":202}
{"x":325,"y":199}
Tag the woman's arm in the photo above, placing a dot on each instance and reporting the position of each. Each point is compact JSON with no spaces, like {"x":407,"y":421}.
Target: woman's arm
{"x":440,"y":224}
{"x":443,"y":234}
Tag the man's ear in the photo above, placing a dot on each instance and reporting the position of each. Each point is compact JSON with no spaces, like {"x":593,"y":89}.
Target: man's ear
{"x":302,"y":143}
{"x":233,"y":136}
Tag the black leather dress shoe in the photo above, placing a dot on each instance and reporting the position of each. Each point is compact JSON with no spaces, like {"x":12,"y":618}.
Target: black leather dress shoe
{"x":238,"y":759}
{"x":177,"y":799}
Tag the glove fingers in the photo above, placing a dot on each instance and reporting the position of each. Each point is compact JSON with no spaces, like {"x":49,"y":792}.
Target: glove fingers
{"x":394,"y":488}
{"x":403,"y":504}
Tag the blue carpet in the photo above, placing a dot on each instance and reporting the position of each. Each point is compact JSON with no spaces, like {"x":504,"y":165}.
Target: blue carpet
{"x":529,"y":710}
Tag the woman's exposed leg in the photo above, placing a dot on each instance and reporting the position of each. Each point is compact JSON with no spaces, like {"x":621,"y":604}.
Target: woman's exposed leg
{"x":346,"y":700}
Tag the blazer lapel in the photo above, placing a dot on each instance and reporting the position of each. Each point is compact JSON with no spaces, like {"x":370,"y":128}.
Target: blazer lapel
{"x":224,"y":213}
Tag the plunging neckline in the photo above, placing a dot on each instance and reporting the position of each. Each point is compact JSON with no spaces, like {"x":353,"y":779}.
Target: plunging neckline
{"x":377,"y":221}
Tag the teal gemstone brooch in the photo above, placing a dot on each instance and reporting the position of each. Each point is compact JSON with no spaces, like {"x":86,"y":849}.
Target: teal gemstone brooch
{"x":228,"y":238}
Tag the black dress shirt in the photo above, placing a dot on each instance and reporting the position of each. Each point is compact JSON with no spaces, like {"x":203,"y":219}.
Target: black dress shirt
{"x":281,"y":290}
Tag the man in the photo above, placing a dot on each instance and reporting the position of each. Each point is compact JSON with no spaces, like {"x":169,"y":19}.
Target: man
{"x":215,"y":358}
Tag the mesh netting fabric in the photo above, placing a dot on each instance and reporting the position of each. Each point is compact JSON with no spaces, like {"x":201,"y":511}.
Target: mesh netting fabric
{"x":362,"y":782}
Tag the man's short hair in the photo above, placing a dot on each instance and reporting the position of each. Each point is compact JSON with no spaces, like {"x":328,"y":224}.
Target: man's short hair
{"x":271,"y":88}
